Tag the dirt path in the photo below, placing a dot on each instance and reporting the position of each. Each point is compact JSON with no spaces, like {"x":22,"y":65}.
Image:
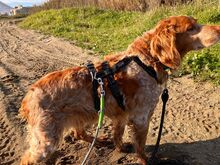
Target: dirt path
{"x":192,"y":125}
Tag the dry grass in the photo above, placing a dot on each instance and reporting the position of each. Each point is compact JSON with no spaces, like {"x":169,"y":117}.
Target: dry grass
{"x":124,"y":5}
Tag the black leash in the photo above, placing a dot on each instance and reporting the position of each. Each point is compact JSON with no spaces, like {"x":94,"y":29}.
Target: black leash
{"x":164,"y":97}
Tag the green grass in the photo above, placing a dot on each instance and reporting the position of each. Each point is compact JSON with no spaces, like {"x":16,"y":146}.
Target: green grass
{"x":107,"y":31}
{"x":204,"y":64}
{"x":98,"y":30}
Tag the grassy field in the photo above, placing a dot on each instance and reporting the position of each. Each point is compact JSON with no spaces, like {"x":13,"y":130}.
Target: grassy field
{"x":107,"y":31}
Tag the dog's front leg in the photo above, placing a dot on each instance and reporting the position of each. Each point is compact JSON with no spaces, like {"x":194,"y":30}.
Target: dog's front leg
{"x":118,"y":128}
{"x":140,"y":129}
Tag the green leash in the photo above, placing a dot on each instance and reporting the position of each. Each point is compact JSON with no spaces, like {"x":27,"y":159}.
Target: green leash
{"x":101,"y":117}
{"x":102,"y":112}
{"x":102,"y":103}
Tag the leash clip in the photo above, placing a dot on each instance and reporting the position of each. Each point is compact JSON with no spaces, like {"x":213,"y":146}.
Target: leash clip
{"x":101,"y":83}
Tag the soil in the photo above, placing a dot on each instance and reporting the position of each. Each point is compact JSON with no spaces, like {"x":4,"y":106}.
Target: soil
{"x":191,"y":133}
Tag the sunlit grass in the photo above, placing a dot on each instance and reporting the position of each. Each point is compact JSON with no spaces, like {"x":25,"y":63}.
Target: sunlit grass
{"x":108,"y":31}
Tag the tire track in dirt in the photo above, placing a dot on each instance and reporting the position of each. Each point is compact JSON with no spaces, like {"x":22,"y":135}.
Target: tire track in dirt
{"x":10,"y":134}
{"x":9,"y":147}
{"x":24,"y":57}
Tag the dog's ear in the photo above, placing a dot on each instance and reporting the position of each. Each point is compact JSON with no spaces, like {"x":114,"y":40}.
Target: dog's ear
{"x":163,"y":44}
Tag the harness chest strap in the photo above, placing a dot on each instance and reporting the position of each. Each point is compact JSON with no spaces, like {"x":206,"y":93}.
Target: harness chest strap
{"x":95,"y":85}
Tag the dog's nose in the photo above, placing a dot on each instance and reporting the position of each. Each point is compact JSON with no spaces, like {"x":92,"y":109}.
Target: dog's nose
{"x":209,"y":35}
{"x":216,"y":28}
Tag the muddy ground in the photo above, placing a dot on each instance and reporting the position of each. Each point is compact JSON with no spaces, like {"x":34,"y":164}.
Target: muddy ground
{"x":191,"y":132}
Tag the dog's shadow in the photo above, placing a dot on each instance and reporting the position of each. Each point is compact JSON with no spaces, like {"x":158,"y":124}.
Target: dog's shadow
{"x":205,"y":152}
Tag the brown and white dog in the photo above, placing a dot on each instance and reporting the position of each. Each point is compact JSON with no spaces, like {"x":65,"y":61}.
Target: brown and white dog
{"x":63,"y":99}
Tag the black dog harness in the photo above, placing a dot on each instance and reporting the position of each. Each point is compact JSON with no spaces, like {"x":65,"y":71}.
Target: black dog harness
{"x":108,"y":72}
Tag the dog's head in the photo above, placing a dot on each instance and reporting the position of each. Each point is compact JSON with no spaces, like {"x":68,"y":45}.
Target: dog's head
{"x":172,"y":38}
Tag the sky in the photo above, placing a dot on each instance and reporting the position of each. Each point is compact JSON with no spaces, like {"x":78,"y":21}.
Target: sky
{"x":14,"y":3}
